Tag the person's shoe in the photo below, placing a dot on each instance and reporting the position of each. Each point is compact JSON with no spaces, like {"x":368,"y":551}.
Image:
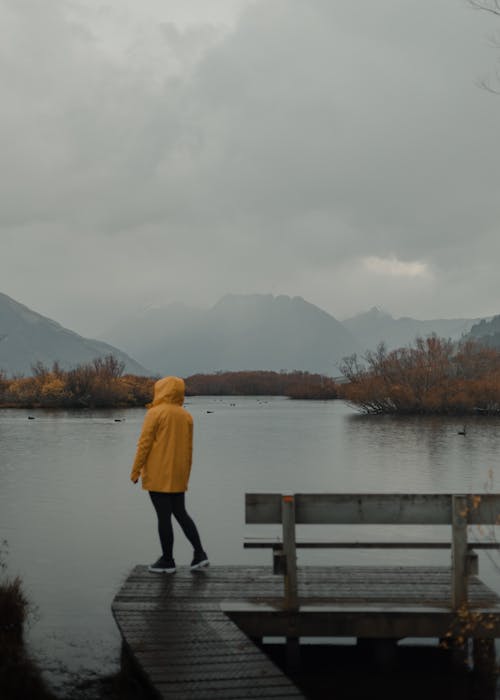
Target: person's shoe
{"x":163,"y":566}
{"x":200,"y":560}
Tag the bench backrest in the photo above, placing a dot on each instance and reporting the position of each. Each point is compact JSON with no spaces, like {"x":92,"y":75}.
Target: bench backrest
{"x":457,"y":510}
{"x":374,"y":508}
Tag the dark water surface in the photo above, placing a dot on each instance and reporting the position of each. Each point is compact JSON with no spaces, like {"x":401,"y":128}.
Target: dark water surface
{"x":76,"y":525}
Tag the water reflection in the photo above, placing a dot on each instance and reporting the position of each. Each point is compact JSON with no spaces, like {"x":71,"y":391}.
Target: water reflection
{"x":428,"y":453}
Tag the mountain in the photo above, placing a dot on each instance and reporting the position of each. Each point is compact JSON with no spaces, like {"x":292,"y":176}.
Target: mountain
{"x":240,"y":332}
{"x":375,"y":326}
{"x":487,"y":332}
{"x":26,"y":337}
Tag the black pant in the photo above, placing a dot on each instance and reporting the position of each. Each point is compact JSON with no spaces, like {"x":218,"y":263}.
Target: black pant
{"x":166,"y":505}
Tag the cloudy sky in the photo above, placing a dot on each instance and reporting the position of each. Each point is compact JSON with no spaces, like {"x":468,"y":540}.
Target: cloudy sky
{"x":178,"y":150}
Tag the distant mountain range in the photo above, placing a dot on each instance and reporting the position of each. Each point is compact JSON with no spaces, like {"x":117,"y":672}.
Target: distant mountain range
{"x":26,"y":337}
{"x":240,"y":332}
{"x":262,"y":331}
{"x":376,"y":326}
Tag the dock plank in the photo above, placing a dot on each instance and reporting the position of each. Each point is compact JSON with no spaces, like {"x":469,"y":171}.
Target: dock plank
{"x":227,"y":693}
{"x":180,"y":628}
{"x":186,"y":646}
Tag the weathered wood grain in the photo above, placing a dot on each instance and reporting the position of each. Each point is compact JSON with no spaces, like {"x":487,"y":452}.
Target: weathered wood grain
{"x":181,"y":629}
{"x":396,"y":509}
{"x":185,"y":645}
{"x":373,"y":508}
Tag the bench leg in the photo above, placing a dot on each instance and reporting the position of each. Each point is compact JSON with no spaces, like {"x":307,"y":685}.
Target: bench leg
{"x":290,"y":552}
{"x":279,"y":566}
{"x":460,"y":654}
{"x":485,"y":669}
{"x":484,"y":655}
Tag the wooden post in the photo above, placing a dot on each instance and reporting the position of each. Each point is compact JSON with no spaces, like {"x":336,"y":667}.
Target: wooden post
{"x":484,"y":655}
{"x":472,"y":563}
{"x":290,"y":579}
{"x":278,"y":559}
{"x":458,"y":551}
{"x":290,"y":552}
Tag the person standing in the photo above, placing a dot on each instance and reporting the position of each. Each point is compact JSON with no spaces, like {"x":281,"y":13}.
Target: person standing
{"x":163,"y":461}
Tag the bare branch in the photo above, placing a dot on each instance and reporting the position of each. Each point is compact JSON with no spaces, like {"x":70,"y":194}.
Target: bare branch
{"x":486,"y":86}
{"x":492,"y":6}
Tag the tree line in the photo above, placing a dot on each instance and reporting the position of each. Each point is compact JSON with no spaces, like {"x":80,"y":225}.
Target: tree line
{"x":295,"y":385}
{"x":97,"y":384}
{"x":433,"y":376}
{"x":102,"y":384}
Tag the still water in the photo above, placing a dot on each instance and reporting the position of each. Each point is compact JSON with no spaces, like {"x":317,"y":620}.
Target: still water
{"x":76,"y":525}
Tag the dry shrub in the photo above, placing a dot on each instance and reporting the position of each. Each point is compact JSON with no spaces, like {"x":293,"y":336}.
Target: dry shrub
{"x":20,"y":678}
{"x":13,"y":612}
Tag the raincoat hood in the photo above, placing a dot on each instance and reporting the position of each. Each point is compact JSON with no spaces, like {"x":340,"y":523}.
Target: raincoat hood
{"x":168,"y":390}
{"x":165,"y":447}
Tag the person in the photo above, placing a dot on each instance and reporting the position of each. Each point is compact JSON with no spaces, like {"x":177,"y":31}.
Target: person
{"x":163,"y":461}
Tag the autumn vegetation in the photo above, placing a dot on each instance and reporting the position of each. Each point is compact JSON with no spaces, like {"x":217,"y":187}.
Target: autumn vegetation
{"x":433,"y":376}
{"x":102,"y":384}
{"x":98,"y":384}
{"x":295,"y":385}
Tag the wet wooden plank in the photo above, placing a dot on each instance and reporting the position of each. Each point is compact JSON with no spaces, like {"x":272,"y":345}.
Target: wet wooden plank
{"x":393,"y":584}
{"x":247,"y":674}
{"x":210,"y":692}
{"x":187,"y":647}
{"x":178,"y":627}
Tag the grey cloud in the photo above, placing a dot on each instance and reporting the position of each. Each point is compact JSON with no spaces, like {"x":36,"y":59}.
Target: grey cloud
{"x":270,"y":158}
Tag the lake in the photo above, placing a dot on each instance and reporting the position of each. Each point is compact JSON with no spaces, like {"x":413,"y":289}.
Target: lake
{"x":76,"y":525}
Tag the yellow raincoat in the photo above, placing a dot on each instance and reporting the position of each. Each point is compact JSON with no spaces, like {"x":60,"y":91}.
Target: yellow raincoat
{"x":165,"y":447}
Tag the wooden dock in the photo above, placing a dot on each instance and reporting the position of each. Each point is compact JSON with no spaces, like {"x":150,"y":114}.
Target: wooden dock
{"x":185,"y":645}
{"x":191,"y":632}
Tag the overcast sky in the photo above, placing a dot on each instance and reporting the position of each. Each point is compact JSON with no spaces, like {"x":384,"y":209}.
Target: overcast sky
{"x":178,"y":150}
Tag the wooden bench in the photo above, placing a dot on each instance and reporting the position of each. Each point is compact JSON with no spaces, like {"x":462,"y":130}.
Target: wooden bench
{"x":459,"y":511}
